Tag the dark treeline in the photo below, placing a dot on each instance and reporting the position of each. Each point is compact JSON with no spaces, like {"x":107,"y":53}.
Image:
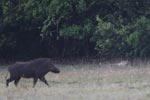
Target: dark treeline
{"x":74,"y":28}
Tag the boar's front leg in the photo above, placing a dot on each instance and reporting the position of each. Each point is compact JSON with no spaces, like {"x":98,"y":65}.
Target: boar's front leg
{"x":34,"y":81}
{"x":44,"y":80}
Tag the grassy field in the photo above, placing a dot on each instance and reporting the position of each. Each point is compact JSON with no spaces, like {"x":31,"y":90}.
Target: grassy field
{"x":84,"y":82}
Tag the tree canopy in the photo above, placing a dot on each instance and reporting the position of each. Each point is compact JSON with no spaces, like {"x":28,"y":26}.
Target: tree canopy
{"x":74,"y":28}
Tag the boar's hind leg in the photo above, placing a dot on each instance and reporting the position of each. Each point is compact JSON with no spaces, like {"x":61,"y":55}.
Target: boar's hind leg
{"x":16,"y":81}
{"x":8,"y":80}
{"x":44,"y":80}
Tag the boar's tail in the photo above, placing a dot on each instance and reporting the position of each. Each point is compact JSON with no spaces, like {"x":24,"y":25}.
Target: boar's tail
{"x":6,"y":75}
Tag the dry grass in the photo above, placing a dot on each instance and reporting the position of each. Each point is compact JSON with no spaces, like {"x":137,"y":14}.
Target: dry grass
{"x":84,"y":82}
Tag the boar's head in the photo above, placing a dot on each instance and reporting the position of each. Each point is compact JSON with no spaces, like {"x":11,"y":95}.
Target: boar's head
{"x":53,"y":69}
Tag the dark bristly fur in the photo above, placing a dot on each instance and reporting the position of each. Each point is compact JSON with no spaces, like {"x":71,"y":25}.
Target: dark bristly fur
{"x":35,"y":69}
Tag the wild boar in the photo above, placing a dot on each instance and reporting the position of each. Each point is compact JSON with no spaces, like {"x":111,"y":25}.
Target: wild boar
{"x":35,"y":69}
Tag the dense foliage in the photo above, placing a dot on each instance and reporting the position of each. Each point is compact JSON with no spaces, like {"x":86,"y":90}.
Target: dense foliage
{"x":74,"y":28}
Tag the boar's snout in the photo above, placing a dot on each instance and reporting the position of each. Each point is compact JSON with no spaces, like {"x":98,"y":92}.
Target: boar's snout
{"x":57,"y":71}
{"x":54,"y":70}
